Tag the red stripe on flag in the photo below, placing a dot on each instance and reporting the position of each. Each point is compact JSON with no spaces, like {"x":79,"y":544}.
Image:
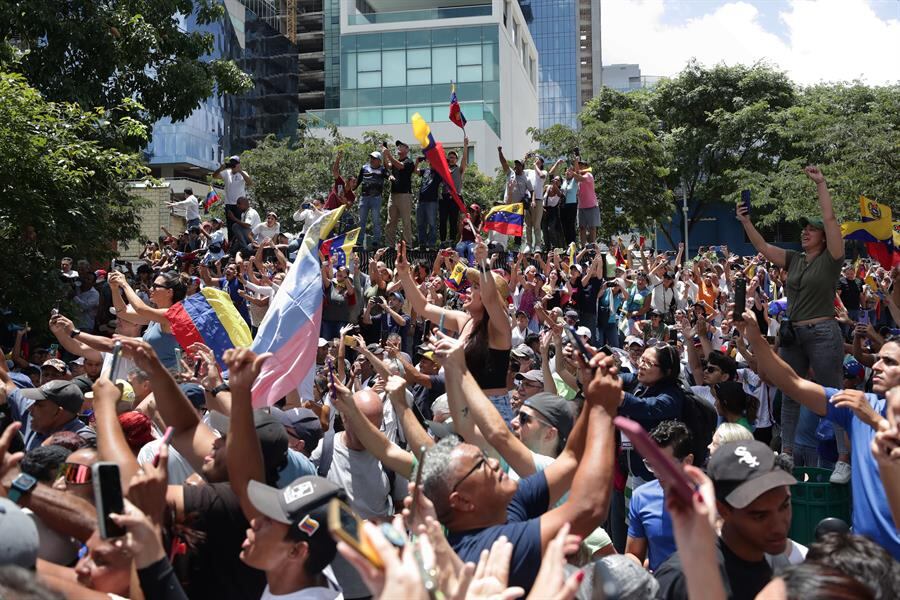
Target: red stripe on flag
{"x":183,"y":327}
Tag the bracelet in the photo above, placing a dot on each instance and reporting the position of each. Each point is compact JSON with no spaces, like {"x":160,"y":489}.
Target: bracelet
{"x":222,"y":387}
{"x":74,"y":333}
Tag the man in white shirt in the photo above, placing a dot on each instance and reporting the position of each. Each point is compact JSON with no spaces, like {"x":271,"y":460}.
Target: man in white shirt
{"x":191,"y":207}
{"x":236,"y":182}
{"x":534,"y":211}
{"x":251,"y":217}
{"x":308,"y":213}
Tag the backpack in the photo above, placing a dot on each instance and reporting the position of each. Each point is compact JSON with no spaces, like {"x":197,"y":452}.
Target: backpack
{"x":701,"y":420}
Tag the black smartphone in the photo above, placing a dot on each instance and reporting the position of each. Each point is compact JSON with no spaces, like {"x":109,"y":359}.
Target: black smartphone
{"x":576,"y":340}
{"x":55,"y":310}
{"x":108,"y":498}
{"x":745,"y":200}
{"x":415,"y":500}
{"x":740,"y":298}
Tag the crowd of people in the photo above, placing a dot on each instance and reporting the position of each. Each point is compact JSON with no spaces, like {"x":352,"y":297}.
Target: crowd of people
{"x":460,"y":437}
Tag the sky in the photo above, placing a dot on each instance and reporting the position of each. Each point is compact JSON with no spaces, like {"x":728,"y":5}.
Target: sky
{"x":813,"y":40}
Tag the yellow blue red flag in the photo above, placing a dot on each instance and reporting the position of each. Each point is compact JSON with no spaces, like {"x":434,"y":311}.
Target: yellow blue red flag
{"x":434,"y":152}
{"x":340,"y":246}
{"x":507,"y":219}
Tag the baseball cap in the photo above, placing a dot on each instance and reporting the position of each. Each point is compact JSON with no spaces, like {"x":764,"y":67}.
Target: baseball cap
{"x":235,"y":159}
{"x":398,"y":296}
{"x":743,"y":471}
{"x":273,"y":438}
{"x":194,"y":393}
{"x":815,"y":222}
{"x":400,"y":143}
{"x":556,"y":409}
{"x":522,"y":351}
{"x":322,"y":342}
{"x":56,"y":364}
{"x":302,"y":504}
{"x":532,"y":375}
{"x":621,"y":573}
{"x":583,"y":331}
{"x":572,"y":314}
{"x":375,"y":348}
{"x":375,"y":154}
{"x":100,"y":275}
{"x":84,"y":383}
{"x":64,"y":394}
{"x":18,"y":536}
{"x":429,"y":355}
{"x":633,"y":339}
{"x":77,"y":361}
{"x":303,"y":422}
{"x":519,"y":162}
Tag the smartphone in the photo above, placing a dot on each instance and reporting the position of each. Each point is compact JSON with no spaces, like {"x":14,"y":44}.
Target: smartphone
{"x":198,"y":362}
{"x":863,"y":318}
{"x":415,"y":501}
{"x":54,"y":350}
{"x":745,"y":200}
{"x":107,"y":497}
{"x":740,"y":298}
{"x":346,"y":526}
{"x":586,"y":353}
{"x":672,"y":472}
{"x":179,"y":356}
{"x":54,"y":312}
{"x":114,"y":363}
{"x":349,"y":340}
{"x":330,"y":365}
{"x":165,"y":441}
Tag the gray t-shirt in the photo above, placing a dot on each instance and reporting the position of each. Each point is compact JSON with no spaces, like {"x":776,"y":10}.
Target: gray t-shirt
{"x":457,"y":178}
{"x":521,"y":185}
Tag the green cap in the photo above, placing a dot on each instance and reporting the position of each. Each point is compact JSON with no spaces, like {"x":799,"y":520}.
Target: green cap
{"x":817,"y":223}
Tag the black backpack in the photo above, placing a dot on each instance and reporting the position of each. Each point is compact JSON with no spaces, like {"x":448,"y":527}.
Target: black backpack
{"x":701,"y":420}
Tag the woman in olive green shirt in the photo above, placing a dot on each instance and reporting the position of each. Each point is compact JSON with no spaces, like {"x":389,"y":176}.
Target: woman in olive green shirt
{"x":811,"y":283}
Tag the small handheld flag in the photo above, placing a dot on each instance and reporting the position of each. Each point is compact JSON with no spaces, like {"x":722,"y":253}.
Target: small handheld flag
{"x":507,"y":219}
{"x":456,"y":114}
{"x":455,"y":281}
{"x":340,"y":246}
{"x":211,"y":198}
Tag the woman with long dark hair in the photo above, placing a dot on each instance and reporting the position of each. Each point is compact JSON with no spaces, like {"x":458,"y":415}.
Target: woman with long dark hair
{"x":483,"y":323}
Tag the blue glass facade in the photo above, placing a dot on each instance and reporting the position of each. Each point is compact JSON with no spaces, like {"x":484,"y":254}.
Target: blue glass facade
{"x":386,"y":77}
{"x":198,"y":140}
{"x":554,"y":28}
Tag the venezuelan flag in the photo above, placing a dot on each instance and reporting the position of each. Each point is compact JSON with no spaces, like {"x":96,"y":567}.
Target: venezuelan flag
{"x":340,"y":246}
{"x":211,"y":198}
{"x":211,"y":318}
{"x":571,"y":254}
{"x":455,"y":281}
{"x":456,"y":115}
{"x":876,"y":224}
{"x":506,"y":219}
{"x":434,"y":152}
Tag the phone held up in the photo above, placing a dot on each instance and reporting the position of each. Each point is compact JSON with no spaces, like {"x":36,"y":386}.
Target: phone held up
{"x":347,"y":526}
{"x":108,"y":498}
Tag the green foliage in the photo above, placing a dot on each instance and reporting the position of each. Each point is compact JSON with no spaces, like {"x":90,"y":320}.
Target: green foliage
{"x":65,"y":194}
{"x":104,"y":53}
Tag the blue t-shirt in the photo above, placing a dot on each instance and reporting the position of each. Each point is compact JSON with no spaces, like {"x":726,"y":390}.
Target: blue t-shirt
{"x":613,"y":303}
{"x":871,"y":513}
{"x":648,"y":519}
{"x":297,"y":466}
{"x":805,"y":434}
{"x":233,"y":287}
{"x":19,"y":406}
{"x":522,"y":528}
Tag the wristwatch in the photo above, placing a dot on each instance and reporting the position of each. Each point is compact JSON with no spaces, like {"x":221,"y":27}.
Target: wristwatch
{"x":20,"y":486}
{"x":222,"y":387}
{"x":75,"y":333}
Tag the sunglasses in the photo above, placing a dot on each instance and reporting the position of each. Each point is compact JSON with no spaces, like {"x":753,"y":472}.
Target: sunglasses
{"x":75,"y":474}
{"x":158,"y":286}
{"x":526,"y":418}
{"x":711,"y":369}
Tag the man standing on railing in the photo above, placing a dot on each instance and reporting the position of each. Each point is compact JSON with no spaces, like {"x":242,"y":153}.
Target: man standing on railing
{"x":372,"y":176}
{"x":400,"y":204}
{"x":448,"y":211}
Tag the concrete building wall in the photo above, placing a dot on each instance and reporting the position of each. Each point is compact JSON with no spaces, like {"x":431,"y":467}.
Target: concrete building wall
{"x":518,"y":90}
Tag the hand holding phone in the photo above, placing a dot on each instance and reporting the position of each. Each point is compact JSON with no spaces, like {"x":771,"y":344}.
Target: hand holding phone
{"x":167,"y":436}
{"x":108,"y":498}
{"x":586,"y":353}
{"x":346,"y":526}
{"x":745,"y":200}
{"x":740,"y":298}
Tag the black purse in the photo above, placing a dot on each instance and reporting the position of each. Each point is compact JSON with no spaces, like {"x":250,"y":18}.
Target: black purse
{"x":786,"y":333}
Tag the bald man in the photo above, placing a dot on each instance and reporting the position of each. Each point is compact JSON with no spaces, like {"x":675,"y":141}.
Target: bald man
{"x":372,"y":493}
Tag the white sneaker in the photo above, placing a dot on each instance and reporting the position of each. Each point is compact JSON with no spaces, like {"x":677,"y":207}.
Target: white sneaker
{"x":841,"y":474}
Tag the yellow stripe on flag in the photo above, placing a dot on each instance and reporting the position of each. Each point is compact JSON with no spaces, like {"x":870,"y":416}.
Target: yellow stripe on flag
{"x":228,"y":315}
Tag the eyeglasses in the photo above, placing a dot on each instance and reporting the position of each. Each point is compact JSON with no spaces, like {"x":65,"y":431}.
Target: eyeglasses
{"x":647,"y":363}
{"x":484,"y":460}
{"x":75,"y":474}
{"x":156,"y":286}
{"x":526,"y":418}
{"x":711,"y":369}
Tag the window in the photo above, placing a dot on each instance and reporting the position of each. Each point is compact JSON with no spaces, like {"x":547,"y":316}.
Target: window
{"x":418,"y":77}
{"x":418,"y":58}
{"x":445,"y":61}
{"x":394,"y":68}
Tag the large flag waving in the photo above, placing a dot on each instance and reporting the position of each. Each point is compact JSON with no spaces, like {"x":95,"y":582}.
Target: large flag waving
{"x":877,"y":231}
{"x":290,"y":330}
{"x":434,"y":152}
{"x":506,"y":219}
{"x":210,"y":318}
{"x":455,"y":111}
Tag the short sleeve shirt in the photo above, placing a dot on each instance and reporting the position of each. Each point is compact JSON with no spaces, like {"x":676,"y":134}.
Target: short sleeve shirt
{"x":340,"y":190}
{"x":402,"y":183}
{"x":430,"y":186}
{"x":235,"y":186}
{"x":587,"y":195}
{"x":522,"y":528}
{"x":648,"y":519}
{"x":811,"y":286}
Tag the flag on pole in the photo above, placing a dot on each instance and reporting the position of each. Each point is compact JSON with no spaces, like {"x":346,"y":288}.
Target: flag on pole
{"x":455,"y":280}
{"x":456,"y":114}
{"x":290,"y":329}
{"x":340,"y":246}
{"x":434,"y":152}
{"x":211,"y":318}
{"x":211,"y":198}
{"x":507,"y":219}
{"x":876,"y":229}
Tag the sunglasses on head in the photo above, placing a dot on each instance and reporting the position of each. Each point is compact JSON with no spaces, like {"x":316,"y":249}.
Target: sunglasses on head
{"x":75,"y":473}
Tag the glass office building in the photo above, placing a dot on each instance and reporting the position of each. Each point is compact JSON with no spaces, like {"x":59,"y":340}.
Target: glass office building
{"x":554,"y":28}
{"x":386,"y":77}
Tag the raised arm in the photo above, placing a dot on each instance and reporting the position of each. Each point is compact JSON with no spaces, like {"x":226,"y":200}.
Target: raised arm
{"x":415,"y":435}
{"x":773,"y":254}
{"x":464,"y":161}
{"x":244,"y":456}
{"x":453,"y":320}
{"x":503,"y":164}
{"x":143,"y":311}
{"x":833,"y":238}
{"x":778,"y":372}
{"x":495,"y":306}
{"x":336,"y":165}
{"x":111,"y":443}
{"x":62,"y":328}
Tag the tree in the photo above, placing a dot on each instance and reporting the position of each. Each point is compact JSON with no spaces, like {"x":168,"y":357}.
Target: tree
{"x":629,"y":164}
{"x":717,"y":123}
{"x":98,"y":54}
{"x":66,"y":193}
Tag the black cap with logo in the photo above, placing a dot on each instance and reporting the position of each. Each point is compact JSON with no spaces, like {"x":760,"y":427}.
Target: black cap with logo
{"x":745,"y":470}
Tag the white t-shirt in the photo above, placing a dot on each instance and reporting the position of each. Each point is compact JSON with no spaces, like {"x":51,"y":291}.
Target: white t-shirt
{"x":235,"y":186}
{"x":307,"y":217}
{"x":191,"y":207}
{"x":537,"y":183}
{"x":263,"y":232}
{"x":332,"y":592}
{"x":252,"y":218}
{"x":179,"y":468}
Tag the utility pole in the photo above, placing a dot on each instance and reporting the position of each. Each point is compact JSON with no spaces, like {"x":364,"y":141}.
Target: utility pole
{"x":684,"y":210}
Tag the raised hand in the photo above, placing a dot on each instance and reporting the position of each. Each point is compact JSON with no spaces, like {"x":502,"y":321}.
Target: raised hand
{"x":9,"y":461}
{"x":605,"y":388}
{"x":243,"y":367}
{"x":815,"y":174}
{"x":551,"y":580}
{"x":449,"y":351}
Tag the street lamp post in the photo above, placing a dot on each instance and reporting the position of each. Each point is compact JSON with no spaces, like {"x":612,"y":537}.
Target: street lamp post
{"x":684,"y":210}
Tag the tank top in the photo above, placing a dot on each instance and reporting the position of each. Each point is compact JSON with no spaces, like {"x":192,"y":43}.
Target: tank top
{"x":163,"y":344}
{"x":492,"y":374}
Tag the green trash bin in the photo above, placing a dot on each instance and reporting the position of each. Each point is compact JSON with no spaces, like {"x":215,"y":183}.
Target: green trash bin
{"x":813,"y":499}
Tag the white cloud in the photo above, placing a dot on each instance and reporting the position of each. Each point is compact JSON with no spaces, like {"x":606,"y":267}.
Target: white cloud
{"x":827,"y":40}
